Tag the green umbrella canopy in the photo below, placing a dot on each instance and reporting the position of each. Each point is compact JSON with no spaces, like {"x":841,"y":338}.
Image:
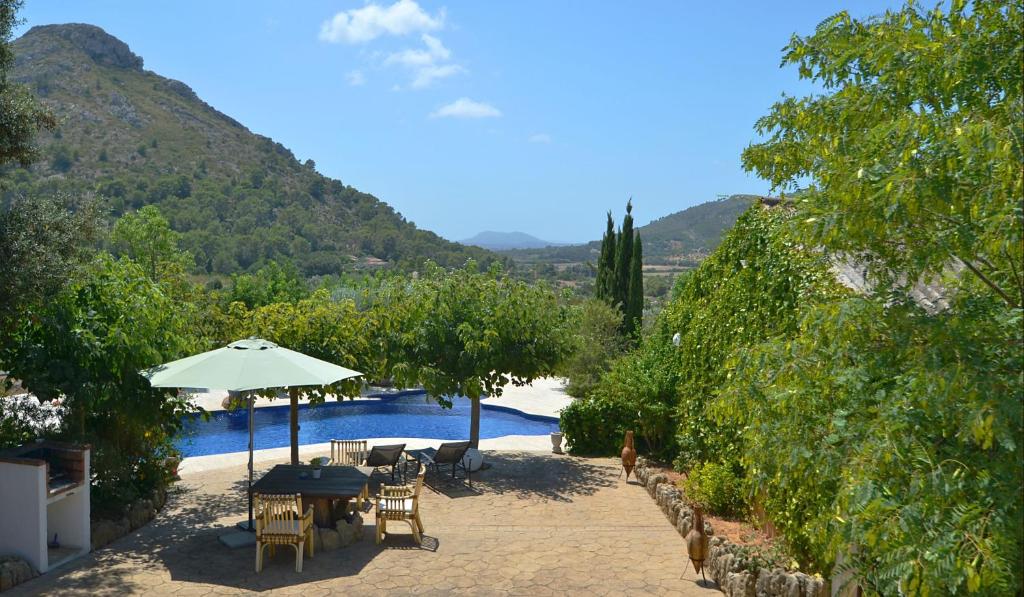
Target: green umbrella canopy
{"x":251,"y":364}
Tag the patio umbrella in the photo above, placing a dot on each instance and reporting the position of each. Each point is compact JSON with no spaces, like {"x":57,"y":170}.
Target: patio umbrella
{"x":246,"y":365}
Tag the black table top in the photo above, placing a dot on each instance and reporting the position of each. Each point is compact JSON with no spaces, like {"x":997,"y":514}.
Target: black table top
{"x":334,"y":481}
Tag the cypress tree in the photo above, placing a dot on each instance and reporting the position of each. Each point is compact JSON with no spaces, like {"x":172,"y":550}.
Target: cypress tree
{"x":624,"y":258}
{"x":604,"y":286}
{"x":635,"y":305}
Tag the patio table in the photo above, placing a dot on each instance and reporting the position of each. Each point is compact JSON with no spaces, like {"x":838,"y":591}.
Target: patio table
{"x":341,"y":483}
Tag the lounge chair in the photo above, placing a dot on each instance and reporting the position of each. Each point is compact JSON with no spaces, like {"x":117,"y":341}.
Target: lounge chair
{"x":386,"y":456}
{"x":279,"y":522}
{"x":450,"y":453}
{"x":400,"y":503}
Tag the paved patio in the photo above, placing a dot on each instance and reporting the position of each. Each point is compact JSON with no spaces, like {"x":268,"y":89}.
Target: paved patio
{"x":533,"y":524}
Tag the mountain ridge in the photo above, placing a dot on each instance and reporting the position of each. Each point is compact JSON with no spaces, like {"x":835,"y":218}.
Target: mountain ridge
{"x":687,"y":234}
{"x":132,"y":138}
{"x":498,"y":241}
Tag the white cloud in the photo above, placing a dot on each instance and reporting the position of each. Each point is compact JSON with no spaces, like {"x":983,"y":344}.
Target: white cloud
{"x":361,"y":25}
{"x":466,"y":108}
{"x":434,"y":52}
{"x":426,"y":63}
{"x":428,"y":74}
{"x":540,"y":138}
{"x":356,"y":78}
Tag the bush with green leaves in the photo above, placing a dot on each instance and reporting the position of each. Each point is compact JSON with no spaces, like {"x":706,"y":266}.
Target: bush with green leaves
{"x":596,"y":343}
{"x":85,"y":347}
{"x":717,"y":488}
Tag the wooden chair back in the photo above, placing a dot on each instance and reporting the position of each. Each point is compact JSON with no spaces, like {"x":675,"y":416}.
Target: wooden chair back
{"x":348,"y":452}
{"x":394,"y":500}
{"x":277,"y":513}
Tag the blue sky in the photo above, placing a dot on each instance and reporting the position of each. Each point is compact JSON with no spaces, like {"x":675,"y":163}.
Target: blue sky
{"x":536,"y":116}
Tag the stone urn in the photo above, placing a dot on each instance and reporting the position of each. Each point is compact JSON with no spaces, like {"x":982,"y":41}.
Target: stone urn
{"x":697,"y":542}
{"x":628,"y":455}
{"x":473,"y":459}
{"x":556,"y":442}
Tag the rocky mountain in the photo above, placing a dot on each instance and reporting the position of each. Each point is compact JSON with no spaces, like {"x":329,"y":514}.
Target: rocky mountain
{"x":133,"y":137}
{"x":500,"y":241}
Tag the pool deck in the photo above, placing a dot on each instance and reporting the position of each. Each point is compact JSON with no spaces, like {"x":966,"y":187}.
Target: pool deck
{"x":544,"y":397}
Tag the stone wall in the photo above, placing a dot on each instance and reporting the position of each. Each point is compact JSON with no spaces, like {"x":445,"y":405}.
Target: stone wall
{"x":136,"y":515}
{"x":731,"y":573}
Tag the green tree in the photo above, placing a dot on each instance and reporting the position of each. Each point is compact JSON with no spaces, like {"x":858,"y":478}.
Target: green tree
{"x":86,"y":346}
{"x":21,"y":114}
{"x":915,"y":146}
{"x":623,"y":260}
{"x":147,"y":238}
{"x":604,"y":286}
{"x":596,"y":343}
{"x":43,"y":241}
{"x":914,"y":152}
{"x":273,"y":283}
{"x":635,"y":298}
{"x":468,"y":334}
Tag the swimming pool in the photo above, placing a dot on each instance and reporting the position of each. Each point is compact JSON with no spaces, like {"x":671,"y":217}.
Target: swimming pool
{"x":402,"y":416}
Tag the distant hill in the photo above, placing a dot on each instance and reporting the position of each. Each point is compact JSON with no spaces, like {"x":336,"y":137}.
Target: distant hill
{"x":684,"y":235}
{"x":135,"y":138}
{"x":500,"y":241}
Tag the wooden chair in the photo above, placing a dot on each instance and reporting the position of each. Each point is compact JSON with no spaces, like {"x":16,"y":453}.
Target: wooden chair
{"x":401,"y":502}
{"x":279,"y":522}
{"x":348,"y":452}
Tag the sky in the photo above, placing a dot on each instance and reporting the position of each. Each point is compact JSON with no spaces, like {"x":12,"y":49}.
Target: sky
{"x":529,"y":115}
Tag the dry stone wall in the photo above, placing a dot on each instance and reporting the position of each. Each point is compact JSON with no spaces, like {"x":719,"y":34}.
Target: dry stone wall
{"x":731,"y":573}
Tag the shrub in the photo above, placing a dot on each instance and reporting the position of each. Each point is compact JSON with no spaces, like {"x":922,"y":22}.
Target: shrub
{"x":596,"y":426}
{"x":716,"y":488}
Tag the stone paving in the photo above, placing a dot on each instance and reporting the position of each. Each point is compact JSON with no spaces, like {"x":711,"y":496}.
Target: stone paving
{"x":533,"y":524}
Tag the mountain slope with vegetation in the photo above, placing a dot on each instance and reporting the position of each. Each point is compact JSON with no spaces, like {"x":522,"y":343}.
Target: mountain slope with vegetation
{"x":134,"y":138}
{"x":694,"y":230}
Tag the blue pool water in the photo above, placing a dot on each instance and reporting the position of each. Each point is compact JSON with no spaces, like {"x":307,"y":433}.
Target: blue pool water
{"x":404,"y":416}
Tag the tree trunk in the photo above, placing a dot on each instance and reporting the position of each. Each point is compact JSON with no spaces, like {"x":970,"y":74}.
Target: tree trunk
{"x":293,"y":394}
{"x":474,"y":423}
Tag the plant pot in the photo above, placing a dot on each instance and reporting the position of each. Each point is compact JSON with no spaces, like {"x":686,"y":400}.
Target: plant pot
{"x":316,"y":473}
{"x":473,"y":460}
{"x":556,"y":442}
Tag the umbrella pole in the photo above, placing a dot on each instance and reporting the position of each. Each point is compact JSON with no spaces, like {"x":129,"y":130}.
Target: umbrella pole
{"x":251,"y":421}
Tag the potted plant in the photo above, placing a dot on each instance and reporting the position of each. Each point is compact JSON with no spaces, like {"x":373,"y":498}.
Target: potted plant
{"x":317,"y":463}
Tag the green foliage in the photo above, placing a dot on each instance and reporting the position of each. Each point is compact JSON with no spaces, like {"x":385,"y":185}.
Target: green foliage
{"x":638,"y":393}
{"x":596,"y":426}
{"x":596,"y":344}
{"x":146,"y":238}
{"x":42,"y":242}
{"x":85,"y":347}
{"x":604,"y":286}
{"x":716,"y":488}
{"x":466,"y":333}
{"x":915,"y":147}
{"x":623,"y":262}
{"x":635,"y":296}
{"x":273,"y":283}
{"x":21,"y":114}
{"x":915,"y":153}
{"x":919,"y":416}
{"x":750,"y":289}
